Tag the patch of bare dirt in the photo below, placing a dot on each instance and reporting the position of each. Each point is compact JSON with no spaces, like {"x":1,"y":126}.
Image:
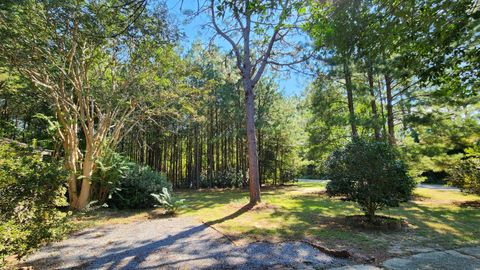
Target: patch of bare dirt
{"x":419,"y":198}
{"x":472,"y":204}
{"x":265,"y":206}
{"x":382,"y":223}
{"x":257,"y":207}
{"x":379,"y":223}
{"x":316,"y":193}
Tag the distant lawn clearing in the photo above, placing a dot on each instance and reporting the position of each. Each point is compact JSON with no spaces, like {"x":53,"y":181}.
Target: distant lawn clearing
{"x":303,"y":211}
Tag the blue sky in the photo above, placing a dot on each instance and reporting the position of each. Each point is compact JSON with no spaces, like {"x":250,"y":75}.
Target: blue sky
{"x":291,"y":83}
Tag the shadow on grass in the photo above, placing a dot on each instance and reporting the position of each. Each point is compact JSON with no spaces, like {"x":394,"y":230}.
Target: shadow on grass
{"x":442,"y":224}
{"x":234,"y":215}
{"x":322,"y":219}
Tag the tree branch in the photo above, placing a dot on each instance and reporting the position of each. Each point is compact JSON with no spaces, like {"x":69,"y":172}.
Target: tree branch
{"x":224,"y":35}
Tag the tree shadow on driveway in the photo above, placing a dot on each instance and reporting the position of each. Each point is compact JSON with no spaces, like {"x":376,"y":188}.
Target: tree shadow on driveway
{"x":183,"y":244}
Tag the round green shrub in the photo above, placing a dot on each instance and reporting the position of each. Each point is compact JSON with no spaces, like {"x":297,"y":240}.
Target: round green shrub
{"x":466,"y":175}
{"x":370,"y":174}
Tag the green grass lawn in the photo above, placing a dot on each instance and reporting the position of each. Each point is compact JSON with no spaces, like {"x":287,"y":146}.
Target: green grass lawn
{"x":303,"y":211}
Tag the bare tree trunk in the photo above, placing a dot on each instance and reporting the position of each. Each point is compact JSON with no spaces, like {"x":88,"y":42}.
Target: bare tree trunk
{"x":189,"y":160}
{"x":373,"y":104}
{"x":275,"y":178}
{"x":68,"y":133}
{"x":351,"y":108}
{"x":210,"y":158}
{"x":390,"y":119}
{"x":261,"y":170}
{"x":253,"y":171}
{"x":217,"y":142}
{"x":197,"y":159}
{"x":165,"y":157}
{"x":237,"y":146}
{"x":71,"y":166}
{"x":180,"y":162}
{"x":200,"y":162}
{"x":404,"y":113}
{"x":382,"y":107}
{"x":87,"y":171}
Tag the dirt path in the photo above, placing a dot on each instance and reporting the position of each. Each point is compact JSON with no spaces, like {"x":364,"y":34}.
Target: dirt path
{"x":174,"y":243}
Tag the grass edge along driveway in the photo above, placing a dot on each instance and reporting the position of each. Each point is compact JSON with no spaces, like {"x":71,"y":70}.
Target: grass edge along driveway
{"x":436,"y":220}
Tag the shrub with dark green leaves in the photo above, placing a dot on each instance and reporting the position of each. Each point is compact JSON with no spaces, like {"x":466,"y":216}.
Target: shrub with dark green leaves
{"x":134,"y":188}
{"x":227,"y":178}
{"x":466,"y":175}
{"x":31,"y":192}
{"x":370,"y":174}
{"x":288,"y":175}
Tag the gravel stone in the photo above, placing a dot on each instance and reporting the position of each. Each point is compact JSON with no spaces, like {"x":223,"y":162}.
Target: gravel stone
{"x":173,"y":243}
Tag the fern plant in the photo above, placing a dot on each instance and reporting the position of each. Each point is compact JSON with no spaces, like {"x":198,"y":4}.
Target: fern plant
{"x":166,"y":200}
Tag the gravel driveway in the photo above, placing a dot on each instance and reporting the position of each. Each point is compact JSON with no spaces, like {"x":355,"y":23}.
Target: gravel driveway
{"x":173,"y":243}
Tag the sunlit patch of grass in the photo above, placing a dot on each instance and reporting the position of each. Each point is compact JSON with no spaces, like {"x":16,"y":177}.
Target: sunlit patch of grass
{"x":444,"y":197}
{"x":443,"y":228}
{"x":304,"y":211}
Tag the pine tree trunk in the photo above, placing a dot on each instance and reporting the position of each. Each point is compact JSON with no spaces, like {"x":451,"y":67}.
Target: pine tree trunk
{"x":403,"y":110}
{"x":210,"y":146}
{"x":260,"y":156}
{"x":217,"y":142}
{"x":253,"y":172}
{"x":390,"y":118}
{"x":373,"y":104}
{"x":189,"y":161}
{"x":351,"y":108}
{"x":237,"y":146}
{"x":196,"y":155}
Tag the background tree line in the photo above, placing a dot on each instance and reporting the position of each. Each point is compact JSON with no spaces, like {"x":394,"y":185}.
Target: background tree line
{"x":404,"y":72}
{"x":204,"y":144}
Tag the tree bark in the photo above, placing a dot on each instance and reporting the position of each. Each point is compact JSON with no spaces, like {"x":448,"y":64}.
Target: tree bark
{"x":403,"y":110}
{"x":351,"y":108}
{"x":217,"y":141}
{"x":237,"y":148}
{"x":260,"y":155}
{"x":87,"y":171}
{"x":373,"y":104}
{"x":253,"y":172}
{"x":189,"y":161}
{"x":390,"y":117}
{"x":71,"y":160}
{"x":370,"y":212}
{"x":210,"y":146}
